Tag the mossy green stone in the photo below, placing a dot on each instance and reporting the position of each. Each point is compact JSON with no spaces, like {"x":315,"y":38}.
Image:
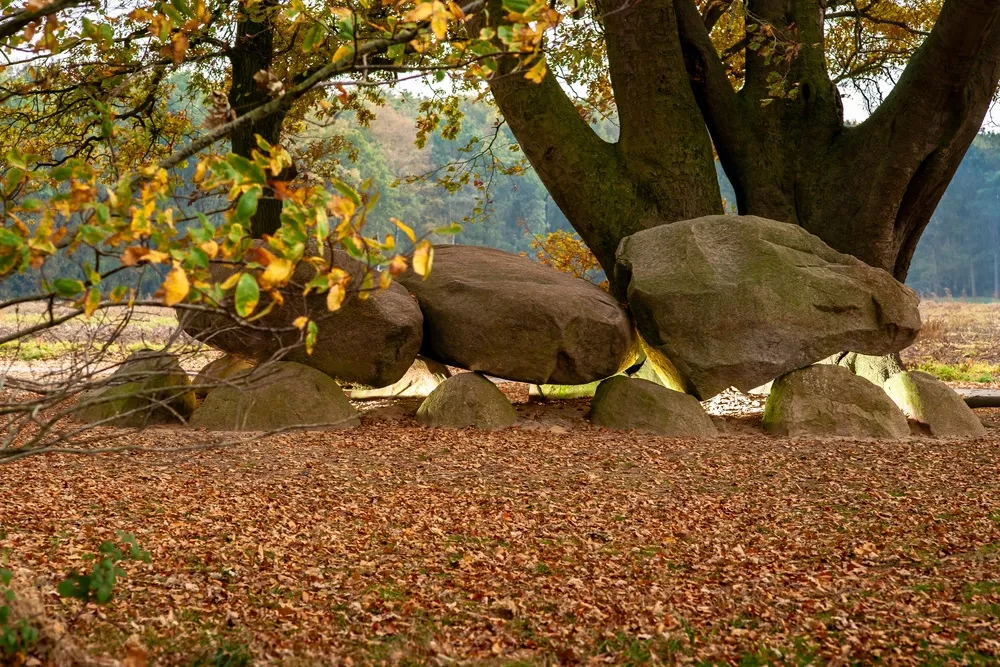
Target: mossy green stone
{"x":225,"y":368}
{"x":928,"y":401}
{"x":626,"y":403}
{"x":825,"y":400}
{"x":149,"y":387}
{"x":277,"y":396}
{"x":464,"y":400}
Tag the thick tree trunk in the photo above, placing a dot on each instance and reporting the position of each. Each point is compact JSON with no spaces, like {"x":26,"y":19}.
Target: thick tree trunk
{"x":660,"y":170}
{"x":867,"y":190}
{"x":253,"y":52}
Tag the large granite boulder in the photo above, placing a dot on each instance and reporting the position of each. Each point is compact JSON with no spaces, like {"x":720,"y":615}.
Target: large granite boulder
{"x":735,"y":301}
{"x":369,"y":341}
{"x":467,"y":399}
{"x":933,"y":404}
{"x":423,"y":377}
{"x":626,"y":403}
{"x":504,"y":315}
{"x":149,"y":387}
{"x":226,"y":368}
{"x":277,"y":395}
{"x":826,"y":400}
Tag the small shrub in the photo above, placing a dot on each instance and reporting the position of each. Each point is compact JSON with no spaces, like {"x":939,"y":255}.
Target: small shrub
{"x":98,"y":585}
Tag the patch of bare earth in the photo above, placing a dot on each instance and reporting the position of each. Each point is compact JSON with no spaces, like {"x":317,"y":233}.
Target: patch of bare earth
{"x":394,"y":543}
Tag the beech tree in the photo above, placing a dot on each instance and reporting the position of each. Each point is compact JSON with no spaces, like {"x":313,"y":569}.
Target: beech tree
{"x":758,"y":80}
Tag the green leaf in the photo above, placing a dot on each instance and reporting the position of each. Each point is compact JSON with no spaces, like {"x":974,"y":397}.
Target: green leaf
{"x":453,"y":228}
{"x":67,"y":287}
{"x":517,"y":6}
{"x":247,"y":295}
{"x":312,"y":37}
{"x":247,"y":204}
{"x":312,"y":331}
{"x":75,"y":586}
{"x":9,"y":238}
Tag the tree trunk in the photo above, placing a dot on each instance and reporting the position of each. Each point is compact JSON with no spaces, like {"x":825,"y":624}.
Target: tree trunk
{"x":253,"y":52}
{"x":867,"y":190}
{"x":660,"y":170}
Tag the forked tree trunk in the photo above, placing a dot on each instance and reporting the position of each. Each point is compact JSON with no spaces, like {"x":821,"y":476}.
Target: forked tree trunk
{"x":867,"y":190}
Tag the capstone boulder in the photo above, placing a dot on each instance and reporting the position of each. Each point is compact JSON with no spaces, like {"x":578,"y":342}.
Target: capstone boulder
{"x":735,"y":301}
{"x":504,"y":315}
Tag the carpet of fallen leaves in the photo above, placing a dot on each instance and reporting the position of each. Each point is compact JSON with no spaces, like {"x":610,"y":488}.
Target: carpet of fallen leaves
{"x":397,"y":544}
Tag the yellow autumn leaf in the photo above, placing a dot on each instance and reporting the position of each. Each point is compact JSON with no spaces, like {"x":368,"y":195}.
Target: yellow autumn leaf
{"x":439,"y":21}
{"x":175,"y":286}
{"x":421,"y":12}
{"x":210,"y":248}
{"x":335,"y":297}
{"x":343,"y":53}
{"x":405,"y":229}
{"x":300,"y":322}
{"x":423,"y":257}
{"x":537,"y":72}
{"x":278,"y":272}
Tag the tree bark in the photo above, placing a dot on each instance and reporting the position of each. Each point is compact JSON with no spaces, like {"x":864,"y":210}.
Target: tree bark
{"x":660,"y":170}
{"x":867,"y":190}
{"x":253,"y":52}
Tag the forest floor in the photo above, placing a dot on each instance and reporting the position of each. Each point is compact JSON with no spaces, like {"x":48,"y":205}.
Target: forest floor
{"x":553,"y":543}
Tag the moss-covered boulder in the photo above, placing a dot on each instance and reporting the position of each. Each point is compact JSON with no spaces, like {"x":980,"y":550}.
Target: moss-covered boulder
{"x":467,"y":399}
{"x":626,"y":403}
{"x":274,"y":396}
{"x":562,"y":392}
{"x":149,"y":387}
{"x":226,"y":368}
{"x":935,"y":405}
{"x":736,"y":301}
{"x":826,"y":400}
{"x":423,"y":377}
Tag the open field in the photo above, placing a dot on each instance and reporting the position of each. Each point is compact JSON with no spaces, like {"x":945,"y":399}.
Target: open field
{"x":959,"y":342}
{"x":552,"y":543}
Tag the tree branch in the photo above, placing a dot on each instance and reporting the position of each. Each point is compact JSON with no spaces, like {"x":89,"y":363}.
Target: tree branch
{"x":343,"y":64}
{"x":583,"y":173}
{"x":10,"y":25}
